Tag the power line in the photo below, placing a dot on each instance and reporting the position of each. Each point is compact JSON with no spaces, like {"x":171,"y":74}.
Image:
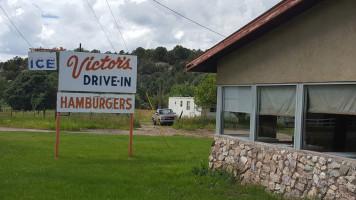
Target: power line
{"x":117,"y":26}
{"x":189,"y":19}
{"x":100,"y":24}
{"x":15,"y":27}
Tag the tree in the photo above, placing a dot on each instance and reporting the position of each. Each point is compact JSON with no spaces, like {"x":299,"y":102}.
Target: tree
{"x":13,"y":67}
{"x":182,"y":90}
{"x":205,"y":93}
{"x":32,"y":90}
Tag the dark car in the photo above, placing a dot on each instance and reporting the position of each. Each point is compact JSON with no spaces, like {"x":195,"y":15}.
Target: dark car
{"x":165,"y":116}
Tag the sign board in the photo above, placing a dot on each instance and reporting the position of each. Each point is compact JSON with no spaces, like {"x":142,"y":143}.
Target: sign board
{"x":42,"y":60}
{"x":97,"y":103}
{"x":94,"y":72}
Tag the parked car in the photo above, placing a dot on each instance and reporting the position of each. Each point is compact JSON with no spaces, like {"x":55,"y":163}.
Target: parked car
{"x":165,"y":116}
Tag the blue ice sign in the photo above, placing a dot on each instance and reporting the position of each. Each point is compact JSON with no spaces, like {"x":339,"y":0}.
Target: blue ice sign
{"x":42,"y":60}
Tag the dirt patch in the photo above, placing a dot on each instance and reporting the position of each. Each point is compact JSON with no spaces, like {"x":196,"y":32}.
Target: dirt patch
{"x":146,"y":129}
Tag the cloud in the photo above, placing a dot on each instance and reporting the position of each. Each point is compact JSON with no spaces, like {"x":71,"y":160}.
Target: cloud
{"x":143,"y":23}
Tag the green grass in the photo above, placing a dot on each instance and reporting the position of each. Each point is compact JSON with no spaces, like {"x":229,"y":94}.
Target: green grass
{"x":97,"y":167}
{"x":193,"y":124}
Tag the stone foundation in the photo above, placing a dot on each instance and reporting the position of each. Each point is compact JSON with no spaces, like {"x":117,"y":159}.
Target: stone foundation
{"x":293,"y":173}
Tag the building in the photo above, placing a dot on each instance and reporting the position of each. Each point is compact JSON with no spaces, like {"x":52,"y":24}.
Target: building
{"x":184,"y":106}
{"x":286,"y":105}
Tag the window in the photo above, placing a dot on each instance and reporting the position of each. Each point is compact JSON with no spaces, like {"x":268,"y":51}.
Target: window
{"x":236,"y":110}
{"x":188,"y":105}
{"x":276,"y":114}
{"x":181,"y":103}
{"x":330,"y":120}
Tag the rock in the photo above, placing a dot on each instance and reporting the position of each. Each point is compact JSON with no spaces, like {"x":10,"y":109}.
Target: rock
{"x":242,"y":146}
{"x":278,"y":187}
{"x":296,"y":175}
{"x":221,"y":158}
{"x":300,"y":186}
{"x":334,"y":165}
{"x":266,"y":168}
{"x":350,"y":178}
{"x":282,"y":152}
{"x":271,"y":185}
{"x":286,"y":180}
{"x":303,"y":160}
{"x":344,"y":170}
{"x":341,"y":181}
{"x":247,"y":148}
{"x":330,"y":194}
{"x":267,"y":159}
{"x":280,"y":165}
{"x":333,"y":173}
{"x":295,"y":193}
{"x":323,"y":168}
{"x":312,"y":193}
{"x":303,"y":179}
{"x":315,"y":178}
{"x":259,"y":164}
{"x":264,"y":183}
{"x":322,"y":176}
{"x":211,"y":158}
{"x":308,"y":168}
{"x":314,"y":159}
{"x":243,"y":152}
{"x":322,"y":160}
{"x":218,"y":165}
{"x":243,"y":160}
{"x":231,"y":153}
{"x":351,"y":187}
{"x":276,"y":178}
{"x":333,"y":187}
{"x":345,"y":193}
{"x":292,"y":163}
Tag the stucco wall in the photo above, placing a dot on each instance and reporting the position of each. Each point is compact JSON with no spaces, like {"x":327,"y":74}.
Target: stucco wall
{"x":300,"y":174}
{"x":317,"y":46}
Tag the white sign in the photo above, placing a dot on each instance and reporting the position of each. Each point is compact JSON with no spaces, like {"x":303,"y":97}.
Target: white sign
{"x":42,"y":60}
{"x":97,"y":103}
{"x":96,"y":72}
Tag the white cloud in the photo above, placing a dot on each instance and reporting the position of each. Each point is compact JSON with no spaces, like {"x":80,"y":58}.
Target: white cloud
{"x":179,"y":35}
{"x":66,"y":23}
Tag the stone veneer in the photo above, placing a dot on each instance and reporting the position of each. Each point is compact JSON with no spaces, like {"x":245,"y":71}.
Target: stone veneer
{"x":293,"y":173}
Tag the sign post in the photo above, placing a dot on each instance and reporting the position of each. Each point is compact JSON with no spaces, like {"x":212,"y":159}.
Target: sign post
{"x":112,"y":74}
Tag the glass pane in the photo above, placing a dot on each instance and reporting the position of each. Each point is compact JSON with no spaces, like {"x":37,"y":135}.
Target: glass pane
{"x":330,"y":125}
{"x":276,"y":115}
{"x":236,"y":124}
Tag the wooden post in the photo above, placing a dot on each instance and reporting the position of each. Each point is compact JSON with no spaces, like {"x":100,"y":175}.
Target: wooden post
{"x":57,"y":133}
{"x":131,"y":129}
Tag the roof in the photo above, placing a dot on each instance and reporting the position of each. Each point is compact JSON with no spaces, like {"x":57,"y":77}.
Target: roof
{"x":274,"y":17}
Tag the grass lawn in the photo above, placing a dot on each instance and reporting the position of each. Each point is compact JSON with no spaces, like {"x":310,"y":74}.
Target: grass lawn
{"x":97,"y":167}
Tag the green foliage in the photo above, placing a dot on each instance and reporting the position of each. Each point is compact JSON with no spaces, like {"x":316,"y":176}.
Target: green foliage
{"x":13,"y":67}
{"x":203,"y":170}
{"x":193,"y":124}
{"x":182,"y":90}
{"x":32,"y":90}
{"x":205,"y":93}
{"x":3,"y":86}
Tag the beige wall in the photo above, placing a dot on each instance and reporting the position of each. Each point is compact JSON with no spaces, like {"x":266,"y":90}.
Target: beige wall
{"x":317,"y":46}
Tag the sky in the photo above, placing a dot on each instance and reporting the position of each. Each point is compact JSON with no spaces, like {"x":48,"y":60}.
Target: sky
{"x":142,"y":23}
